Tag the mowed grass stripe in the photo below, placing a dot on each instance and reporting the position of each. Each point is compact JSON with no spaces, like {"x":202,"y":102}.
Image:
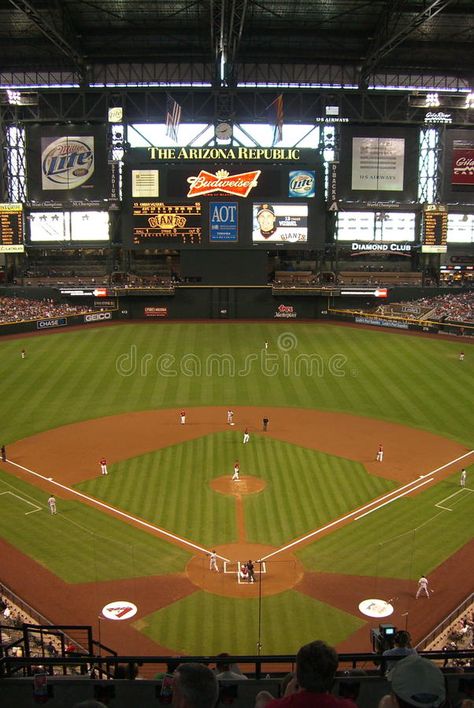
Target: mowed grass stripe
{"x":81,"y":544}
{"x":404,"y":531}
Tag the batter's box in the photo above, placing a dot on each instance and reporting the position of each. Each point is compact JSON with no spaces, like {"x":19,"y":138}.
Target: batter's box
{"x":238,"y":569}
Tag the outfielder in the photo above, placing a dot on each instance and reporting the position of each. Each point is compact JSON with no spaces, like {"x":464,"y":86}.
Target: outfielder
{"x":462,"y":481}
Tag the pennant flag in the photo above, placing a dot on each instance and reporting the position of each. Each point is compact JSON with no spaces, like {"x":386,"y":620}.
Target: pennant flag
{"x":173,"y":118}
{"x":276,"y":118}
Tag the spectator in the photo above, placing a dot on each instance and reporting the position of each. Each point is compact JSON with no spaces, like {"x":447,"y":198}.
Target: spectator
{"x":401,"y":647}
{"x":194,"y":686}
{"x":416,"y":683}
{"x":316,"y":665}
{"x":228,"y":672}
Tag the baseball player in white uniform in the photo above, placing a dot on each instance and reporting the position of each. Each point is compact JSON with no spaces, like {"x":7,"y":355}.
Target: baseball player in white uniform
{"x":246,"y":435}
{"x":213,"y":562}
{"x":103,"y":466}
{"x":182,"y":417}
{"x":236,"y":475}
{"x":379,"y":456}
{"x":52,"y":505}
{"x":422,"y":587}
{"x":230,"y":417}
{"x":462,"y":481}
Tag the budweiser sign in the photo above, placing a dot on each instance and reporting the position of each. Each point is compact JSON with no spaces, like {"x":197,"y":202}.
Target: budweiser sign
{"x":463,"y":166}
{"x":207,"y":183}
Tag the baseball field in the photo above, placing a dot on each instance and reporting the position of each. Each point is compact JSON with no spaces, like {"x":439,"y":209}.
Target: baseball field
{"x":326,"y":525}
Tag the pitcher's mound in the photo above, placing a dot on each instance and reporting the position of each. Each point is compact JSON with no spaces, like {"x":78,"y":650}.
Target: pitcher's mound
{"x":245,"y":485}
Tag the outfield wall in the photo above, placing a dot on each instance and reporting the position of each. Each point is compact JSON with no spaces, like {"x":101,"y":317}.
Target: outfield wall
{"x":190,"y":302}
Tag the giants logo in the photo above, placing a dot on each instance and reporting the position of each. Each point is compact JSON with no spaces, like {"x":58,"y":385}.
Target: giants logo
{"x":67,"y":162}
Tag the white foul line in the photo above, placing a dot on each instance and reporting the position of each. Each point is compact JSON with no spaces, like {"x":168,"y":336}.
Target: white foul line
{"x":376,"y":503}
{"x":124,"y":515}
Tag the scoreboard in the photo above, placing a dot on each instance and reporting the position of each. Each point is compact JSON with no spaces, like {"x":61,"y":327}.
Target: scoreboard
{"x":223,"y":197}
{"x":435,"y":229}
{"x":11,"y":228}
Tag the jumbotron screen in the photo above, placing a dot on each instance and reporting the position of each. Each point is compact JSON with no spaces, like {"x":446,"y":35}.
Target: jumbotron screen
{"x":280,"y":223}
{"x":214,"y":197}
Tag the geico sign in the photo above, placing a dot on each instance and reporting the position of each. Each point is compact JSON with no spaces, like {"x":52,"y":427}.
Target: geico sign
{"x":98,"y":317}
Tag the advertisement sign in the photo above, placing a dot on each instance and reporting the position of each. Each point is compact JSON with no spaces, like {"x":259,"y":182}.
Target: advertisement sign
{"x":285,"y":312}
{"x":462,"y":169}
{"x":238,"y":185}
{"x":53,"y":322}
{"x":223,"y":221}
{"x":378,"y":247}
{"x":378,"y":163}
{"x":302,"y":183}
{"x":155,"y":311}
{"x":97,"y":317}
{"x":66,"y":163}
{"x":280,"y":223}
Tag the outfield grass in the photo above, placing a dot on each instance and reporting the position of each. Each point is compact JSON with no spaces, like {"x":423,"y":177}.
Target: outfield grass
{"x":73,"y":376}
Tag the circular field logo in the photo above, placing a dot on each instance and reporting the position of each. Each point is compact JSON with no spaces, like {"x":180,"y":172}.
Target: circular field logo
{"x":376,"y":608}
{"x":119,"y":610}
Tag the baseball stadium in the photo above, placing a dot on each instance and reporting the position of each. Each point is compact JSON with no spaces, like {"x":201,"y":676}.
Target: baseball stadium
{"x":237,"y":362}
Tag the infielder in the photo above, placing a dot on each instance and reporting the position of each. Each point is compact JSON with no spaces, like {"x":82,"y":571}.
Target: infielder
{"x":462,"y":481}
{"x":103,"y":466}
{"x":213,"y":562}
{"x":423,"y":587}
{"x":379,"y":456}
{"x":52,"y":504}
{"x":182,"y":417}
{"x":230,"y":417}
{"x":236,"y":475}
{"x":246,"y":435}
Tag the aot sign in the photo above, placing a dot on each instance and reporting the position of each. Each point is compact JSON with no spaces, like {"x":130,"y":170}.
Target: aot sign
{"x":223,"y":221}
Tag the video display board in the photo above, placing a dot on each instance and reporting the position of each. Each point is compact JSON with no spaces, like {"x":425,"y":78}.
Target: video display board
{"x":67,"y":163}
{"x":458,"y":187}
{"x":378,"y":164}
{"x":11,"y":228}
{"x":209,"y":197}
{"x":65,"y":226}
{"x":435,"y":229}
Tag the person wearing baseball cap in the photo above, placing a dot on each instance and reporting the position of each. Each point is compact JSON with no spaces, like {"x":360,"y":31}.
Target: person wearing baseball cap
{"x":417,"y":682}
{"x":266,"y":220}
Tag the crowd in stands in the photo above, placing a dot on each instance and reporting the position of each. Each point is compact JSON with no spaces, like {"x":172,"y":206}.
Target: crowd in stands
{"x":17,"y":309}
{"x":440,"y":308}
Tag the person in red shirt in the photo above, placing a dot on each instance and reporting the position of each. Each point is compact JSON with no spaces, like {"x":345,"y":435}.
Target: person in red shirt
{"x":103,"y":466}
{"x":379,"y":456}
{"x":182,"y":417}
{"x":236,"y":475}
{"x":316,"y":665}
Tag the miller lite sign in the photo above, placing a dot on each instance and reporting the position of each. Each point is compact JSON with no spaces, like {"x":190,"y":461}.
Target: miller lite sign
{"x":67,"y":162}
